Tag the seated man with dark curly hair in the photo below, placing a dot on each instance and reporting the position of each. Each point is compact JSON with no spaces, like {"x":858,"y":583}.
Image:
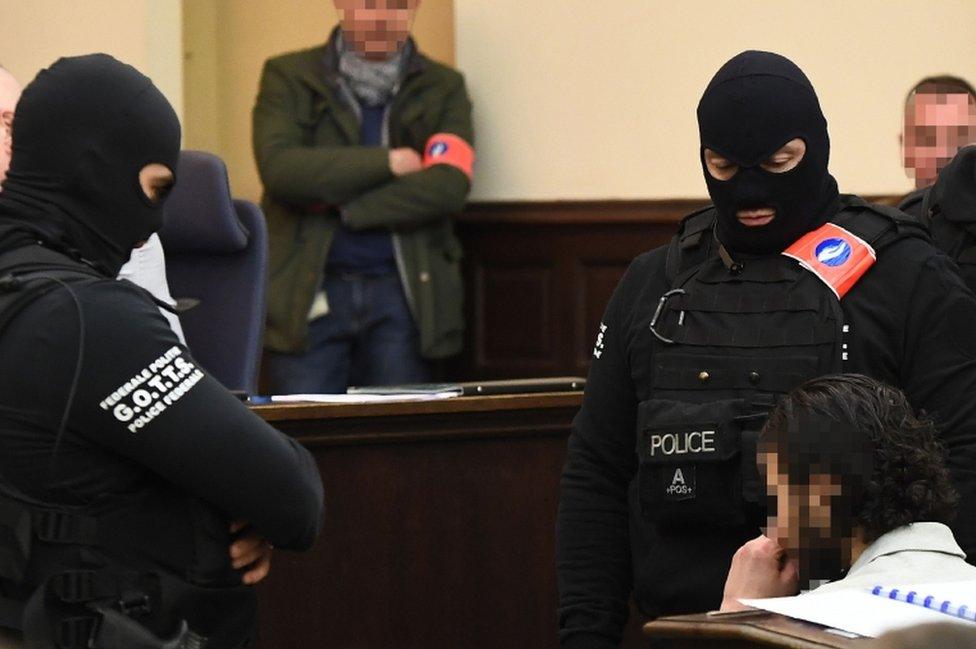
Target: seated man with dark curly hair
{"x":858,"y":493}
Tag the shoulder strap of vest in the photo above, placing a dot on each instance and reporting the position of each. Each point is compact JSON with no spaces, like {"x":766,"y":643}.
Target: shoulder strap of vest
{"x":691,"y":244}
{"x":29,"y":272}
{"x":878,"y":225}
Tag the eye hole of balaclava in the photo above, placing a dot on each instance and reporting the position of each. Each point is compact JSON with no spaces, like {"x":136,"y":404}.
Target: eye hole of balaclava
{"x":782,"y":161}
{"x":756,"y":104}
{"x":155,"y":182}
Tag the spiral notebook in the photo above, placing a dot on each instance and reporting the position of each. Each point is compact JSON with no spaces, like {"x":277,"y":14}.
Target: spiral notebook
{"x":860,"y":612}
{"x":957,"y":599}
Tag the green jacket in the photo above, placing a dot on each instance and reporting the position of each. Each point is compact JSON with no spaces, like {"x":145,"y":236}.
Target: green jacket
{"x":306,"y":142}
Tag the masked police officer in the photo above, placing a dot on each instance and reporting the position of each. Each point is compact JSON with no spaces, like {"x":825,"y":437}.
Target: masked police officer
{"x":781,"y":280}
{"x":139,"y":499}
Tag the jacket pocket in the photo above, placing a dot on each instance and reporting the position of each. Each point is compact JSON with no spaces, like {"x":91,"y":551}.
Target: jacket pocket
{"x":693,"y":460}
{"x":284,"y":239}
{"x":448,"y":291}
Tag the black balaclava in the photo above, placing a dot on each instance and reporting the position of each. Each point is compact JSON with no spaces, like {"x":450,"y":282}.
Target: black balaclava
{"x":83,"y":130}
{"x":756,"y":103}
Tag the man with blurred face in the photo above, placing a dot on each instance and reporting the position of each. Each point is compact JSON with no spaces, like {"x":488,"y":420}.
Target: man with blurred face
{"x":859,"y":496}
{"x":781,"y":280}
{"x":364,"y":145}
{"x":9,"y":94}
{"x":940,"y":119}
{"x":940,"y":127}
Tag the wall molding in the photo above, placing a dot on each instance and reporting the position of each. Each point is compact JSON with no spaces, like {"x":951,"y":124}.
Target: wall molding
{"x":656,"y":211}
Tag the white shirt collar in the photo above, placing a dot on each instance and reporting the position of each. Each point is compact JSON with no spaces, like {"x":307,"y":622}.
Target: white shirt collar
{"x":914,"y":537}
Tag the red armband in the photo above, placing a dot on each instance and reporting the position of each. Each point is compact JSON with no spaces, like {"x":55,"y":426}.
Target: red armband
{"x":449,"y":149}
{"x":838,"y":257}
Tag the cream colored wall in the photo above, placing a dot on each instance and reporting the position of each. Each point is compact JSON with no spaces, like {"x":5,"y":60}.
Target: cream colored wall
{"x":582,"y":99}
{"x":227,"y":41}
{"x":144,"y":33}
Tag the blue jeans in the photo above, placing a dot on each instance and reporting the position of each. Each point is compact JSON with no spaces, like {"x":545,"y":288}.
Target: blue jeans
{"x":367,"y":338}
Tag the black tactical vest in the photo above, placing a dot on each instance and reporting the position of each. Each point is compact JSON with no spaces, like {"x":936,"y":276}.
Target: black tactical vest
{"x":144,"y":572}
{"x":731,"y":336}
{"x":954,"y":234}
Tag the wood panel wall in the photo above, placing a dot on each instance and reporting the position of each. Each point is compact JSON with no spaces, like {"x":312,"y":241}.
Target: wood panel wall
{"x":538,"y":277}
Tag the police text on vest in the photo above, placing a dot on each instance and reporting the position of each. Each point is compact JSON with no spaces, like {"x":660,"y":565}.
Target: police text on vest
{"x":694,"y":442}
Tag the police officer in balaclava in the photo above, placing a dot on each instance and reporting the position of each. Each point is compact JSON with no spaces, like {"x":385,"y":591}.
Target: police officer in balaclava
{"x":779,"y":280}
{"x":139,"y":499}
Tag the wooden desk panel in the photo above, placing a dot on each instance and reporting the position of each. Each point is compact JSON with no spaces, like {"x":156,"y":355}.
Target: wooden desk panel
{"x":439,"y":526}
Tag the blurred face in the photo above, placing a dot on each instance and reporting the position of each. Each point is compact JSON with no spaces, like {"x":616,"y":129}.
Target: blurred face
{"x":376,"y":29}
{"x":9,"y":95}
{"x":803,"y":519}
{"x":937,"y":125}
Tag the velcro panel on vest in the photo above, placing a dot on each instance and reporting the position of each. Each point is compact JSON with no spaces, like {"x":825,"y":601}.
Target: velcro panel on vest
{"x":753,"y":302}
{"x":449,"y":149}
{"x":757,"y":337}
{"x":706,"y":435}
{"x":836,"y":256}
{"x":690,"y":469}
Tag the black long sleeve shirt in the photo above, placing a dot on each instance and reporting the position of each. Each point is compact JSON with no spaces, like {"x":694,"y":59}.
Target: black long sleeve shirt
{"x":145,"y":415}
{"x":912,"y":322}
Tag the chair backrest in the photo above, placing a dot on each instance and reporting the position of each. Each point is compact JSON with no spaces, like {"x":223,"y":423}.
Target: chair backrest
{"x":217,"y":253}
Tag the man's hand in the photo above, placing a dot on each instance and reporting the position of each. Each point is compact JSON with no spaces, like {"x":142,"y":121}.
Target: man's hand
{"x":760,"y":568}
{"x":251,"y":551}
{"x":405,"y":161}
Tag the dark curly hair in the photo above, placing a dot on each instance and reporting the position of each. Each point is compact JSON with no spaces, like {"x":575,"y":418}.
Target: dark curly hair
{"x":904,"y":479}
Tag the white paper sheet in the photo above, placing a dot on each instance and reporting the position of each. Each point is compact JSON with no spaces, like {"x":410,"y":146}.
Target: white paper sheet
{"x":360,"y":398}
{"x":855,"y":611}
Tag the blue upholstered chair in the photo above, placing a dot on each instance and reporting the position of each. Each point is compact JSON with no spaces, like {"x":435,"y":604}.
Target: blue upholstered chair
{"x":217,"y":253}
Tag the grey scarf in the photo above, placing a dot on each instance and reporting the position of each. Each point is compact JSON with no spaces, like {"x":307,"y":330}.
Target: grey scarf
{"x":372,"y":82}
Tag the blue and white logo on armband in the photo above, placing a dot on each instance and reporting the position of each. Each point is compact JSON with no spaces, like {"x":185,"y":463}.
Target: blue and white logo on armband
{"x":437,"y":149}
{"x":833,"y":252}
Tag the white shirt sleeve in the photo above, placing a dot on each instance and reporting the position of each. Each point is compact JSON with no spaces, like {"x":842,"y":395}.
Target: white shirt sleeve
{"x":147,"y":268}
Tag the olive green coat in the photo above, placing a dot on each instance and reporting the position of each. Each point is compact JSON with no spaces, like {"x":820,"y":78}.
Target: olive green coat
{"x":306,"y":142}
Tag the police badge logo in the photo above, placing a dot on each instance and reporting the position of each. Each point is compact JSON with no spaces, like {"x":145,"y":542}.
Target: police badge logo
{"x":833,"y":252}
{"x":451,"y":150}
{"x":437,"y":149}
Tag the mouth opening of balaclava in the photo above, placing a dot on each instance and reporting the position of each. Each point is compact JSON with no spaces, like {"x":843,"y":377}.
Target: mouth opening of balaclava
{"x":83,"y":130}
{"x":753,"y":106}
